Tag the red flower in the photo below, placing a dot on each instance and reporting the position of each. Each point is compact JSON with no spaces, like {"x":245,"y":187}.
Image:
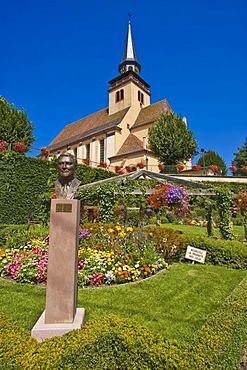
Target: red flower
{"x":53,"y":196}
{"x":119,"y":170}
{"x":214,"y":168}
{"x":3,"y":145}
{"x":196,"y":167}
{"x":244,"y":168}
{"x":129,"y":168}
{"x":161,"y":166}
{"x":140,"y":165}
{"x":103,"y":164}
{"x":180,"y":167}
{"x":45,"y":152}
{"x":233,"y":169}
{"x":19,"y":146}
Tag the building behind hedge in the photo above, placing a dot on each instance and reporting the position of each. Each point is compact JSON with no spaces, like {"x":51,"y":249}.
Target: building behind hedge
{"x":116,"y":136}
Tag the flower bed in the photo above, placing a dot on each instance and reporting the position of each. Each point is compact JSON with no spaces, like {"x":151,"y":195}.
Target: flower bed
{"x":106,"y":255}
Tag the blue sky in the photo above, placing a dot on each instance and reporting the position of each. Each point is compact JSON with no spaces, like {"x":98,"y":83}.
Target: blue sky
{"x":58,"y":56}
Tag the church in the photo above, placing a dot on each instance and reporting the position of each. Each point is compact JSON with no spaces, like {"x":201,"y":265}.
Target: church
{"x":116,"y":137}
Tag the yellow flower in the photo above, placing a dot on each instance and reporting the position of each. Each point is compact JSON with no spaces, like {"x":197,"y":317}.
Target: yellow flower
{"x":129,"y":228}
{"x":118,"y":228}
{"x":110,"y":230}
{"x":122,"y":234}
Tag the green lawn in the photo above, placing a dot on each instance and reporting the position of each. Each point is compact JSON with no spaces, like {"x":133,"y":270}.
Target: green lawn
{"x":200,"y":230}
{"x":175,"y":302}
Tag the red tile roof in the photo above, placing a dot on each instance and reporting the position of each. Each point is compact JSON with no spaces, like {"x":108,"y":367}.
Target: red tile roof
{"x":101,"y":121}
{"x":86,"y":127}
{"x":131,"y":143}
{"x":150,"y":113}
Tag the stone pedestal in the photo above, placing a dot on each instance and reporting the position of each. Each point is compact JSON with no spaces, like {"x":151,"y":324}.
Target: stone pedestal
{"x":61,"y":293}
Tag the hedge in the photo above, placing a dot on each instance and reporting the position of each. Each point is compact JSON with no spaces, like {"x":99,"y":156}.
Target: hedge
{"x":115,"y":343}
{"x":22,"y":181}
{"x":230,"y":253}
{"x":25,"y":180}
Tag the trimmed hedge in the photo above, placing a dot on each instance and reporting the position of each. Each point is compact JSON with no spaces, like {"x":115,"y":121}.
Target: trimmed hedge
{"x":230,"y":253}
{"x":22,"y":181}
{"x":115,"y":343}
{"x":220,"y":342}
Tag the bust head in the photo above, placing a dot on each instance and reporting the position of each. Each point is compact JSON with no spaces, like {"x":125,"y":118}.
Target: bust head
{"x":66,"y":165}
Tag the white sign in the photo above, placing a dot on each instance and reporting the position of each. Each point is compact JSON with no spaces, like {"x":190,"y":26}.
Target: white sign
{"x":195,"y":254}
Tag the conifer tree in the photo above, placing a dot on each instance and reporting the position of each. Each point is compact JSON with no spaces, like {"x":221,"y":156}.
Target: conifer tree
{"x":210,"y":158}
{"x":240,"y":160}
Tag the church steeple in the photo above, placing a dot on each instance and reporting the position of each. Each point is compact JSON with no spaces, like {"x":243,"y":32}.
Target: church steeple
{"x":129,"y":61}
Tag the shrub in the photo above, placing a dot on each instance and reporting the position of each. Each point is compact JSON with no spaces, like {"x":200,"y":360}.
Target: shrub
{"x":228,"y":253}
{"x":167,"y":241}
{"x":14,"y":236}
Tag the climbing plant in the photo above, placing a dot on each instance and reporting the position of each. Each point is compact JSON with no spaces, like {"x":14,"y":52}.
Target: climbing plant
{"x":225,"y":203}
{"x":208,"y":203}
{"x":241,"y":204}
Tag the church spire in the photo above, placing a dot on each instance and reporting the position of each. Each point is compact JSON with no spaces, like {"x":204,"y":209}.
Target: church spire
{"x":129,"y":61}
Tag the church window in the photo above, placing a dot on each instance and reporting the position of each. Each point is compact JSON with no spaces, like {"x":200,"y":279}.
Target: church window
{"x":119,"y":95}
{"x":88,"y":151}
{"x":140,"y":97}
{"x":102,"y":150}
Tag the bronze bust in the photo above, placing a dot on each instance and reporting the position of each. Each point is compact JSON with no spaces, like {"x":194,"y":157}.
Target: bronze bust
{"x":66,"y":186}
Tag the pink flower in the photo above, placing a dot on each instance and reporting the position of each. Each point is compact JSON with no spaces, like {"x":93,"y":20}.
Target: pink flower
{"x":233,"y":169}
{"x":214,"y":168}
{"x":96,"y":279}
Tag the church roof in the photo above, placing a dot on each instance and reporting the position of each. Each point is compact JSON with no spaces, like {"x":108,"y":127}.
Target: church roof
{"x":102,"y":121}
{"x":132,"y":143}
{"x":150,"y":113}
{"x":86,"y":127}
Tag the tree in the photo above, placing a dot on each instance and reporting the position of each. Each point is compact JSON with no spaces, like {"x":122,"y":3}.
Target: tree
{"x":171,"y":140}
{"x":240,"y":160}
{"x":15,"y":126}
{"x":211,"y":159}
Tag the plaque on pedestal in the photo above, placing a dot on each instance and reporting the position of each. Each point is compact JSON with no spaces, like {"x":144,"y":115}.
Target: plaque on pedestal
{"x":61,"y":294}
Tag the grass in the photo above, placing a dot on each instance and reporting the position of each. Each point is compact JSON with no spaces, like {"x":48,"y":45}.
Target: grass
{"x":174,"y":303}
{"x":202,"y":231}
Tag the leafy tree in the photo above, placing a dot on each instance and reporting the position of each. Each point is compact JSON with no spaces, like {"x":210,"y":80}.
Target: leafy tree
{"x":15,"y":125}
{"x":171,"y":140}
{"x":240,"y":160}
{"x":211,"y":158}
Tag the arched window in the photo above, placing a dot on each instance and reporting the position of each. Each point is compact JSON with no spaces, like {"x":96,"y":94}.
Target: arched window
{"x":119,"y":95}
{"x":140,"y":97}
